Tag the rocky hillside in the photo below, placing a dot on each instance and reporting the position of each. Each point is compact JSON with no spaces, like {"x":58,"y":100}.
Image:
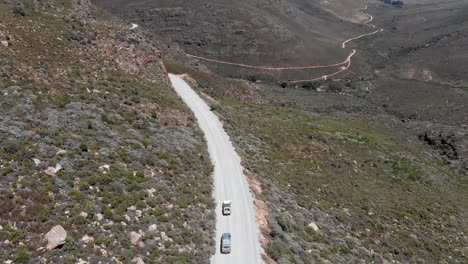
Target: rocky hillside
{"x":99,"y":159}
{"x":245,"y":31}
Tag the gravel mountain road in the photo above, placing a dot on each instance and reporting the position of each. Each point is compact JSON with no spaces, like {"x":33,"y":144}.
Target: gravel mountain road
{"x":229,"y":184}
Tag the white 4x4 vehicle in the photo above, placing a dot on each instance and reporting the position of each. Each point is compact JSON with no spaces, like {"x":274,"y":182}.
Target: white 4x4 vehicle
{"x":226,"y":207}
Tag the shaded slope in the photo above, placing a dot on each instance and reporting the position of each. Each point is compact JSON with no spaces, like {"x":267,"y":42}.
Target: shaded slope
{"x":266,"y":32}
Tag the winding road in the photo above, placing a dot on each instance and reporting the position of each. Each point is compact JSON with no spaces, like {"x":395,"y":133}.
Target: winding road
{"x":343,"y":65}
{"x":229,"y":184}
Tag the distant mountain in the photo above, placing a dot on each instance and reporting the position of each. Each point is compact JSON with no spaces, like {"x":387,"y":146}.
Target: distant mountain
{"x":260,"y":31}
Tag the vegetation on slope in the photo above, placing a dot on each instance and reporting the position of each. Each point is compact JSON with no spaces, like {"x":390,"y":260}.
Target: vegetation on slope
{"x":93,"y":138}
{"x":339,"y":190}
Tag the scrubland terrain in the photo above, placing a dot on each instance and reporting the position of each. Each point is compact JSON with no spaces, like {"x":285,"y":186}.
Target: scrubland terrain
{"x":366,"y":166}
{"x":333,"y":186}
{"x":94,"y":139}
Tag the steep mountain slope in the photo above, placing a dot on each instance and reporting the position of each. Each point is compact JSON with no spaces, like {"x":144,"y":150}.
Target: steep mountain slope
{"x":414,"y":70}
{"x":93,"y":138}
{"x":257,"y":32}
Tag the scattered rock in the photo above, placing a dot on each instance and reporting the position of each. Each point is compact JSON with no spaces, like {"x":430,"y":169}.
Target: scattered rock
{"x":151,"y":192}
{"x":127,"y":217}
{"x":131,"y":208}
{"x":7,"y":242}
{"x":138,"y":213}
{"x":84,"y":214}
{"x":99,"y":217}
{"x":87,"y":239}
{"x":313,"y":226}
{"x":1,"y":227}
{"x":40,"y":249}
{"x":36,"y":162}
{"x":56,"y":237}
{"x":51,"y":171}
{"x":164,"y":237}
{"x":135,"y":238}
{"x":61,"y":151}
{"x":138,"y":260}
{"x":152,"y":228}
{"x":4,"y":43}
{"x":161,"y":246}
{"x":105,"y":168}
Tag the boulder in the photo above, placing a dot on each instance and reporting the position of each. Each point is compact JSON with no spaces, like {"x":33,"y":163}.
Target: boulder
{"x":135,"y":238}
{"x":51,"y":171}
{"x":4,"y":43}
{"x":313,"y":226}
{"x":56,"y":237}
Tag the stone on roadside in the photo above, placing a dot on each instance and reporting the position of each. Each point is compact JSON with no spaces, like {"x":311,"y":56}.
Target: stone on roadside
{"x":56,"y":237}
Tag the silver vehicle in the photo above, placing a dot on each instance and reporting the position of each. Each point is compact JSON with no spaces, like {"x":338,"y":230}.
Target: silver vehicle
{"x":226,"y":207}
{"x":226,"y":243}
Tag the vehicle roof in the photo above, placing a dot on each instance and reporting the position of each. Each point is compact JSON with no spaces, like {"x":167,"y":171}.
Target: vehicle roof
{"x":226,"y":235}
{"x":227,"y":202}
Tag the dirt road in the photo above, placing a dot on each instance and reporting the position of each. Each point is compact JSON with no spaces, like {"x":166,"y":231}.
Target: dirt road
{"x":229,"y":184}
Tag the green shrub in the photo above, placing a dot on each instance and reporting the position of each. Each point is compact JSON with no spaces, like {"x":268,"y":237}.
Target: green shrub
{"x":22,"y":256}
{"x":70,"y":244}
{"x":284,"y":224}
{"x":83,"y":147}
{"x":276,"y":250}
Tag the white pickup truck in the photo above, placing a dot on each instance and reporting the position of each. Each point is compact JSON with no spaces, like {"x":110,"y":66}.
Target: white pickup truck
{"x":226,"y":208}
